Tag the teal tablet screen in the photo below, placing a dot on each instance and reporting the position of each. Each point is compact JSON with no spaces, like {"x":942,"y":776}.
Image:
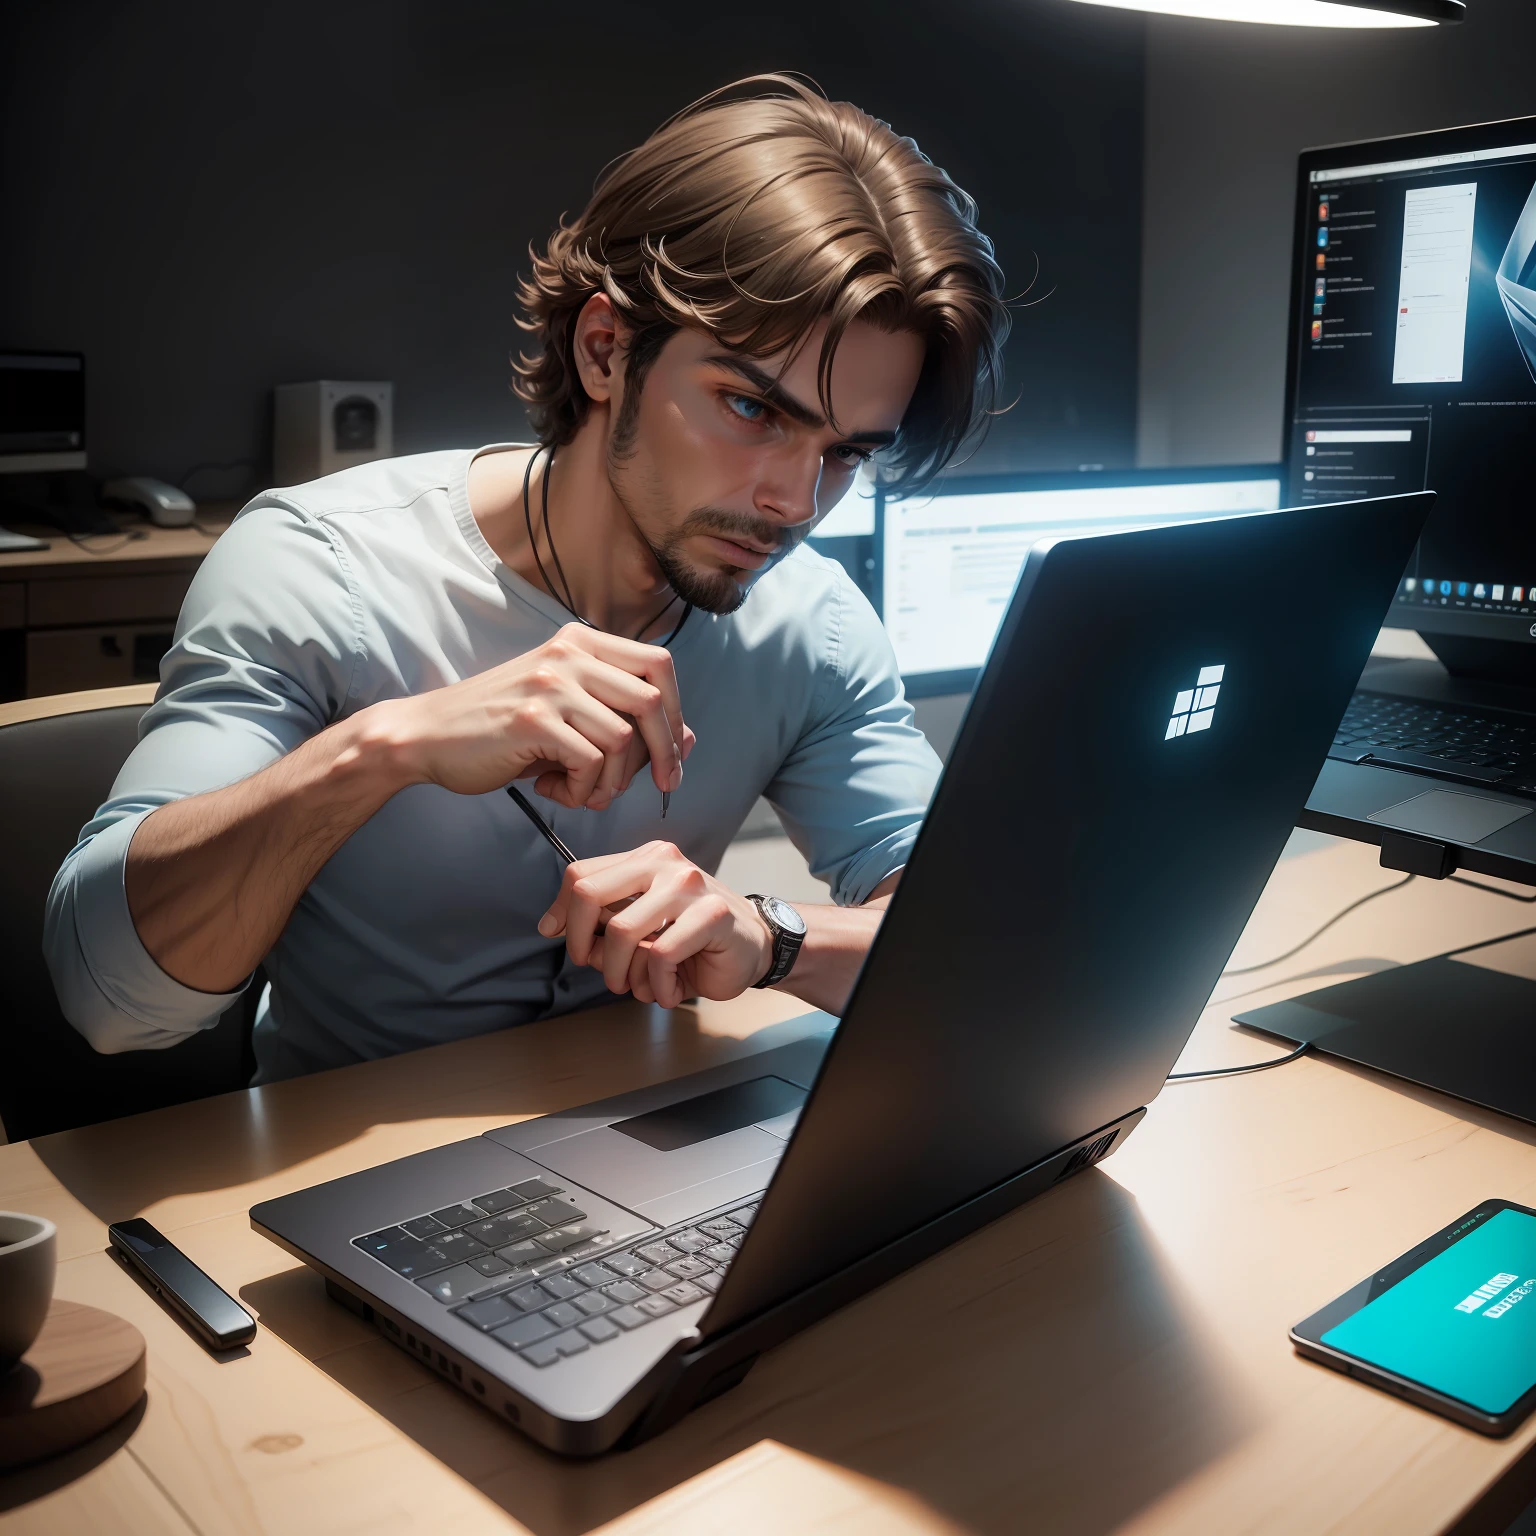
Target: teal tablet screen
{"x":1464,"y":1323}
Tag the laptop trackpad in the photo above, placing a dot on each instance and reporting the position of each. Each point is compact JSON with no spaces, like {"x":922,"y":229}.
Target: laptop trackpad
{"x":1445,"y":814}
{"x":713,"y":1139}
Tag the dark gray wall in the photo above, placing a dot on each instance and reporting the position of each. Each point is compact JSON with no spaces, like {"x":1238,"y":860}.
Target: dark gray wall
{"x":209,"y":200}
{"x":1229,"y":108}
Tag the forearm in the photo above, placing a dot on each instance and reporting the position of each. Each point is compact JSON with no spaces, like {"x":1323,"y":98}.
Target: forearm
{"x":837,"y":941}
{"x":212,"y":880}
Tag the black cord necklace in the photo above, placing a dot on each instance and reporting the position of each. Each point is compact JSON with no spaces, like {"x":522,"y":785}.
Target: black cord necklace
{"x":567,"y":602}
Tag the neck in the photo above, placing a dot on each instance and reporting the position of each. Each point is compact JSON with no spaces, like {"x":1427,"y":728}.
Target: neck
{"x":615,"y":583}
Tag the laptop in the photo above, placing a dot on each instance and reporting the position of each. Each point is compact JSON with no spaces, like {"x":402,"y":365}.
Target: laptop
{"x":1152,"y":715}
{"x":1413,"y":365}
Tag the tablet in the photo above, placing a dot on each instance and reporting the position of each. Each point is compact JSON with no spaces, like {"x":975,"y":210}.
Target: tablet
{"x":1451,"y":1325}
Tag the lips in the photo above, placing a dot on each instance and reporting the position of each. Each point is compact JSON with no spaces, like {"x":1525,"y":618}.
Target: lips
{"x":747,"y":556}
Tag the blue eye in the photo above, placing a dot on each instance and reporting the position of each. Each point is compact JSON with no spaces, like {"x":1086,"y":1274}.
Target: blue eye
{"x":746,"y":407}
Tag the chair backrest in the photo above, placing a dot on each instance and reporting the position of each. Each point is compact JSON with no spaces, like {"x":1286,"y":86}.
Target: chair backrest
{"x":58,"y":758}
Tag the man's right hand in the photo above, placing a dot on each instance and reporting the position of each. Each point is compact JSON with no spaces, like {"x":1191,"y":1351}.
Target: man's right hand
{"x":580,"y":715}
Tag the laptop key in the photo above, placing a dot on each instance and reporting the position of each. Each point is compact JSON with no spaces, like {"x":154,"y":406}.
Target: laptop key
{"x":561,"y":1287}
{"x":488,"y":1264}
{"x":721,"y":1253}
{"x":499,"y":1200}
{"x":658,"y":1253}
{"x":525,"y":1331}
{"x":534,"y":1189}
{"x":689,"y":1242}
{"x":422,"y":1227}
{"x":684,"y":1292}
{"x":710,"y":1282}
{"x":457,"y":1215}
{"x":525,"y":1252}
{"x":629,"y":1317}
{"x":654,"y":1306}
{"x":594,"y":1303}
{"x":557,"y":1239}
{"x":570,"y":1343}
{"x":458,"y":1246}
{"x":593,"y":1274}
{"x":625,"y":1291}
{"x":563,"y":1314}
{"x":688,"y":1269}
{"x":491,"y":1313}
{"x":506,"y":1228}
{"x":721,"y":1226}
{"x":555,"y":1213}
{"x":626,"y":1264}
{"x":529,"y":1297}
{"x":600,"y":1330}
{"x":541,"y":1354}
{"x":656,"y":1280}
{"x":457,"y":1284}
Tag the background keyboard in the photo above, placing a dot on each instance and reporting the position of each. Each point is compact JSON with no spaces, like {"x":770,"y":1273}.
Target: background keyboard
{"x":1462,"y":746}
{"x":528,"y":1267}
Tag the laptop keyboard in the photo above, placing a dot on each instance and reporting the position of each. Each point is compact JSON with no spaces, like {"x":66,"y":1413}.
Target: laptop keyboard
{"x":1493,"y":751}
{"x":528,"y":1267}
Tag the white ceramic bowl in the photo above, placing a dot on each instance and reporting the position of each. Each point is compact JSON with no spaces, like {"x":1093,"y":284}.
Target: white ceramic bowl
{"x":26,"y":1281}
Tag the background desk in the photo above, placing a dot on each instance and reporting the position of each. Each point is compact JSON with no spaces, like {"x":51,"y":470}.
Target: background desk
{"x":1110,"y":1357}
{"x":97,"y":614}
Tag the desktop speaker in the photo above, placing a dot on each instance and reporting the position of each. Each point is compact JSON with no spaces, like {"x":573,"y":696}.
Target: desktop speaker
{"x":326,"y":425}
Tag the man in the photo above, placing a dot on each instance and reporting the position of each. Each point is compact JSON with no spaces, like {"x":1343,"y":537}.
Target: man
{"x":767,"y":292}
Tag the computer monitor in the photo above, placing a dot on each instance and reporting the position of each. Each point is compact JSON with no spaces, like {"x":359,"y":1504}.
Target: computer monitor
{"x":42,"y":412}
{"x":1413,"y":366}
{"x":946,"y":561}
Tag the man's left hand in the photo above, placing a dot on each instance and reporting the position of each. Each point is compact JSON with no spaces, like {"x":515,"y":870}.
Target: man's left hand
{"x":670,"y":931}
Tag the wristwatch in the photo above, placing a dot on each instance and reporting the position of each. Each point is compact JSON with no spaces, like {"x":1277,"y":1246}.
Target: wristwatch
{"x":788,"y":930}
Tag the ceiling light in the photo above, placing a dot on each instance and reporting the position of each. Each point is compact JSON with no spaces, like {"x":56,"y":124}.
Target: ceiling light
{"x":1306,"y":13}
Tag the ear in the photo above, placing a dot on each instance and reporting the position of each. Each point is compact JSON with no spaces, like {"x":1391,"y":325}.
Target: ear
{"x":599,"y":345}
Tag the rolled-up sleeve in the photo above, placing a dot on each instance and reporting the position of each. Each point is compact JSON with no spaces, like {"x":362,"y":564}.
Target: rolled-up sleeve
{"x":264,"y":656}
{"x":854,"y":789}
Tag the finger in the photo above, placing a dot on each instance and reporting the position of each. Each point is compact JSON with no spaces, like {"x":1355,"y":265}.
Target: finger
{"x":703,"y":926}
{"x":625,"y":931}
{"x":553,"y":922}
{"x":654,"y":664}
{"x":614,"y":735}
{"x":645,"y":704}
{"x":579,"y":764}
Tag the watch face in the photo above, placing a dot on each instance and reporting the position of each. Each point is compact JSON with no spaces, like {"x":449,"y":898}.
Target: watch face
{"x":785,"y":915}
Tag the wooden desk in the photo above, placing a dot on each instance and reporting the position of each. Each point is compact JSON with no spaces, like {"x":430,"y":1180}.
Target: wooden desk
{"x":72,"y":615}
{"x":1112,"y":1356}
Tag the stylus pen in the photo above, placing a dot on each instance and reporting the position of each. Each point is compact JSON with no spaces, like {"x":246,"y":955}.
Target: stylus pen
{"x":550,"y":835}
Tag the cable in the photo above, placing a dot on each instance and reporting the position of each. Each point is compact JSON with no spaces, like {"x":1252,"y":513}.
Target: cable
{"x":1253,"y":1066}
{"x":1493,"y":890}
{"x":1397,"y":885}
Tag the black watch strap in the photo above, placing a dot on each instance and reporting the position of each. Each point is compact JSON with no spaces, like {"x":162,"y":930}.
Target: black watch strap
{"x":786,"y":940}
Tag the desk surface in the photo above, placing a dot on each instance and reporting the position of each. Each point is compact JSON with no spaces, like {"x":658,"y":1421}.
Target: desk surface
{"x":1111,"y":1357}
{"x":167,"y":548}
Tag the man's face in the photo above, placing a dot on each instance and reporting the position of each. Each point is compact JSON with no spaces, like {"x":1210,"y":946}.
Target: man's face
{"x":725,"y":461}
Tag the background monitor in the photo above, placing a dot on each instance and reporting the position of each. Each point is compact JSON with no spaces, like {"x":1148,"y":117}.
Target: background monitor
{"x":946,"y":561}
{"x":1413,"y":359}
{"x":42,"y":412}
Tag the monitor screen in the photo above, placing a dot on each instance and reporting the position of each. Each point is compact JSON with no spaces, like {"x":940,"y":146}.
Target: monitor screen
{"x":1413,"y":360}
{"x":42,"y":411}
{"x":947,"y":561}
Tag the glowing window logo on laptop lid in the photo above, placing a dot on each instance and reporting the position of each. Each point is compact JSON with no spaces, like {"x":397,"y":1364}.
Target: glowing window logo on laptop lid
{"x":1193,"y":708}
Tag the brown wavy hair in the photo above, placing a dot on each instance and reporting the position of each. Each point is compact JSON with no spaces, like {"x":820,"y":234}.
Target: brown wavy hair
{"x":752,"y":216}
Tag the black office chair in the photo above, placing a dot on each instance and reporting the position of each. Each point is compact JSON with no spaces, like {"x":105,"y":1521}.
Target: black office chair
{"x":58,"y":758}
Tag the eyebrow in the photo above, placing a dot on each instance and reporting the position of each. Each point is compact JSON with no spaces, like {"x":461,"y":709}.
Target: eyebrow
{"x":781,"y":400}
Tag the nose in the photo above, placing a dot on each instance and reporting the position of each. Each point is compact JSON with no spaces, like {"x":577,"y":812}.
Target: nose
{"x":787,"y":492}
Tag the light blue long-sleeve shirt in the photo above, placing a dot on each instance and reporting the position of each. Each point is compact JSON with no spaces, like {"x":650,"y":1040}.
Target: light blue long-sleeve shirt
{"x":377,"y":583}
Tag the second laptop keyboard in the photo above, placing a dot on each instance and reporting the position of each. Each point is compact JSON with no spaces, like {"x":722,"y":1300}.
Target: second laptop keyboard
{"x":1493,"y":751}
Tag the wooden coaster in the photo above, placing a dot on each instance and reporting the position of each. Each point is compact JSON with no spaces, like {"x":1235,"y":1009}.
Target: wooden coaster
{"x":85,"y":1370}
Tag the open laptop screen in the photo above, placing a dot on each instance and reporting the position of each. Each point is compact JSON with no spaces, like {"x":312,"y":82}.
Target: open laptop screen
{"x":946,"y":562}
